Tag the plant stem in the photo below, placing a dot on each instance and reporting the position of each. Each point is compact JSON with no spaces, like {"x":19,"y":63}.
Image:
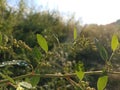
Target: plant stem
{"x":111,"y":56}
{"x":54,"y":75}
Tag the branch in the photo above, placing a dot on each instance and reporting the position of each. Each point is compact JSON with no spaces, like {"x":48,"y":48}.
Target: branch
{"x":56,"y":75}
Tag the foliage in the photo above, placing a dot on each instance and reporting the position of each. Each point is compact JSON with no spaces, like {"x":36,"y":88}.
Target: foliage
{"x":114,"y":43}
{"x":42,"y":42}
{"x":102,"y":82}
{"x":48,"y":24}
{"x":79,"y":72}
{"x":38,"y":43}
{"x":75,"y":33}
{"x":102,"y":50}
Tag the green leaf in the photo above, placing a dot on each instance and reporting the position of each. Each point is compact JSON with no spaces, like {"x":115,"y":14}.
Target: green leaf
{"x":79,"y":71}
{"x":102,"y":50}
{"x":10,"y":79}
{"x":7,"y":77}
{"x":102,"y":82}
{"x":42,"y":42}
{"x":114,"y":42}
{"x":35,"y":79}
{"x":75,"y":33}
{"x":36,"y":54}
{"x":80,"y":74}
{"x":104,"y":53}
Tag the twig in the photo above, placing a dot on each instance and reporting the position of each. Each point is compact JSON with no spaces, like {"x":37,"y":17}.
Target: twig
{"x":55,"y":75}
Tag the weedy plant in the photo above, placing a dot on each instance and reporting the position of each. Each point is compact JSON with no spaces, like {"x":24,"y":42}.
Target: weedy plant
{"x":30,"y":81}
{"x":107,"y":69}
{"x":102,"y":81}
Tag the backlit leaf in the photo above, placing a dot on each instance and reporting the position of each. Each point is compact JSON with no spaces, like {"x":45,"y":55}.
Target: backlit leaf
{"x":42,"y":42}
{"x":79,"y":71}
{"x":102,"y":82}
{"x":75,"y":33}
{"x":114,"y":42}
{"x":80,"y":74}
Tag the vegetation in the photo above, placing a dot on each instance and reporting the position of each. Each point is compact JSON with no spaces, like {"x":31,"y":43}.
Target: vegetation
{"x":41,"y":51}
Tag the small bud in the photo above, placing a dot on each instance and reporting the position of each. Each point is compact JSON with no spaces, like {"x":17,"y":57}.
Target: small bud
{"x":20,"y":88}
{"x":88,"y":88}
{"x":87,"y":83}
{"x":17,"y":45}
{"x":20,"y":42}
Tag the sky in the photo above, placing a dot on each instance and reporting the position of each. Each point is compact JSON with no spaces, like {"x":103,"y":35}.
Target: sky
{"x":87,"y":11}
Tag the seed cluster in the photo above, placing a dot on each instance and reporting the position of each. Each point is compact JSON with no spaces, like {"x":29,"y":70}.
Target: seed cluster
{"x":21,"y":44}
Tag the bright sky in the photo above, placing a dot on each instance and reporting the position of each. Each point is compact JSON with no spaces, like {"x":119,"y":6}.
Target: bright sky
{"x":89,"y":11}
